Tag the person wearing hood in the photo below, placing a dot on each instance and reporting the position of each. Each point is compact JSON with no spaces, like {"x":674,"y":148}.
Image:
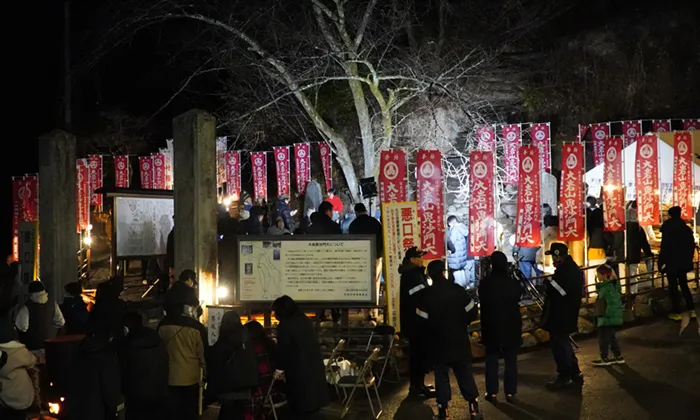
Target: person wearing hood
{"x":278,"y":228}
{"x":39,"y":319}
{"x":501,"y":326}
{"x":283,"y":211}
{"x":609,"y":315}
{"x":460,"y":264}
{"x":16,"y":386}
{"x":411,"y":291}
{"x":676,"y":260}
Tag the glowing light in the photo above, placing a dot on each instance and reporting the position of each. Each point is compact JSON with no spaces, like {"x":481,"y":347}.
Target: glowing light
{"x":222,"y":292}
{"x":227,"y":201}
{"x":610,"y":187}
{"x":511,"y":240}
{"x":87,"y":240}
{"x":89,"y":228}
{"x":234,"y":197}
{"x":54,"y":408}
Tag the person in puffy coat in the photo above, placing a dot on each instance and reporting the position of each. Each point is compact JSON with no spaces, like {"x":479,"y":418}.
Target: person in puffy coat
{"x":282,"y":210}
{"x":313,"y":196}
{"x":16,"y":387}
{"x":459,"y":263}
{"x":676,"y":260}
{"x":610,"y":320}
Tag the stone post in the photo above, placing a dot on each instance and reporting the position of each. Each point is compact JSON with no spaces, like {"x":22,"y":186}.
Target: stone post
{"x":194,"y":157}
{"x":57,"y":214}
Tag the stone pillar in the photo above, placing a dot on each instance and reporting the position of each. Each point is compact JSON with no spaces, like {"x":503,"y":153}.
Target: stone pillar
{"x":57,"y":214}
{"x":194,"y":158}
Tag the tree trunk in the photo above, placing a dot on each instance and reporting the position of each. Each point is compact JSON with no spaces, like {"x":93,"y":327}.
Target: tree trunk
{"x":342,"y":156}
{"x":364,"y":121}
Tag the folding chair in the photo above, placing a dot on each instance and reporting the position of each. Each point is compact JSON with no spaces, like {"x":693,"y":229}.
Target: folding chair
{"x":366,"y":380}
{"x":387,"y":334}
{"x":269,"y":403}
{"x":330,"y":368}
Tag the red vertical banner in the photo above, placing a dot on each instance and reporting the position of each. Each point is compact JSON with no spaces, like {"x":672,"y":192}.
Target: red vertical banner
{"x":647,"y":181}
{"x":302,"y":165}
{"x":326,"y":163}
{"x":392,"y":176}
{"x":481,"y":204}
{"x":582,"y":130}
{"x":683,"y":173}
{"x":571,"y":210}
{"x":17,"y":211}
{"x":599,"y":132}
{"x":613,"y":194}
{"x":430,"y":205}
{"x":691,"y":124}
{"x":146,"y":171}
{"x":31,"y":198}
{"x":82,"y":198}
{"x":221,"y":147}
{"x":121,"y":171}
{"x":282,"y":167}
{"x":95,"y":178}
{"x":158,"y":172}
{"x":233,"y":174}
{"x":631,"y":130}
{"x":486,"y":138}
{"x":259,"y":160}
{"x":542,"y":139}
{"x":527,"y":233}
{"x":659,"y":126}
{"x":511,"y":143}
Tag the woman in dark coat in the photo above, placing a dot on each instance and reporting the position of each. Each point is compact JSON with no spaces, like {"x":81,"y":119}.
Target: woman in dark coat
{"x":501,"y":325}
{"x":299,"y":360}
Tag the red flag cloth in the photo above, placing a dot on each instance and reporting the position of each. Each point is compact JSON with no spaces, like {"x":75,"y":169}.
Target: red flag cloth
{"x":481,"y":204}
{"x":571,"y":198}
{"x":683,"y":173}
{"x":691,"y":124}
{"x":392,"y":176}
{"x":486,"y":138}
{"x":661,"y":125}
{"x":511,"y":143}
{"x":582,"y":130}
{"x":430,"y":205}
{"x":599,"y":132}
{"x":158,"y":172}
{"x":527,"y":233}
{"x":647,"y":181}
{"x":302,"y":164}
{"x":95,"y":178}
{"x":233,"y":174}
{"x":541,"y":139}
{"x":326,"y":163}
{"x":82,"y":198}
{"x":30,"y":196}
{"x":613,"y":194}
{"x":631,"y":130}
{"x":121,"y":171}
{"x":146,"y":170}
{"x":282,"y":167}
{"x":17,"y":212}
{"x":259,"y":160}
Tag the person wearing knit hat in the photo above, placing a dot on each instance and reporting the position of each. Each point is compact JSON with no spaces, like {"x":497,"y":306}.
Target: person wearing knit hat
{"x":39,"y":319}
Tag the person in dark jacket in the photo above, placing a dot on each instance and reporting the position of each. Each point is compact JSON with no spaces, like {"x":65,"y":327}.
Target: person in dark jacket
{"x":39,"y":319}
{"x":676,"y":260}
{"x":637,"y":243}
{"x":182,"y":297}
{"x":560,"y":314}
{"x":251,"y":223}
{"x":459,"y":262}
{"x":322,"y":222}
{"x":109,"y":310}
{"x":413,"y":284}
{"x":597,"y":244}
{"x":299,"y":360}
{"x":501,"y":326}
{"x":364,"y":224}
{"x":448,"y":310}
{"x":282,"y":210}
{"x":74,"y":309}
{"x":144,"y":371}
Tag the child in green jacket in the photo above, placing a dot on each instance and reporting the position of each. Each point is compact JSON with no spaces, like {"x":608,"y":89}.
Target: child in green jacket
{"x":609,"y":319}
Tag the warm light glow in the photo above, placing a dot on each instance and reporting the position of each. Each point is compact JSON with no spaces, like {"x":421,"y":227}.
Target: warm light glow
{"x":89,"y":228}
{"x":227,"y":201}
{"x":62,"y":399}
{"x":87,"y":240}
{"x":54,"y":408}
{"x":234,"y":197}
{"x":222,"y":292}
{"x":207,"y":287}
{"x":610,"y":188}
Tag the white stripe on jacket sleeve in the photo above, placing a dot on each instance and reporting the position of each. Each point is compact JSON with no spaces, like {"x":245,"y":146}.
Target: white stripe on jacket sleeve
{"x":416,"y":289}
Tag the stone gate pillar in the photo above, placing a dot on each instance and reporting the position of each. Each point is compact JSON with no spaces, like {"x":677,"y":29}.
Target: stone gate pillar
{"x":194,"y":157}
{"x":57,"y":215}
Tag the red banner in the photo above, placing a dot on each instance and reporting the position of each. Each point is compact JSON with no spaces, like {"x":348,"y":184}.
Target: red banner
{"x":30,"y":196}
{"x":541,"y":138}
{"x":146,"y":170}
{"x":121,"y":171}
{"x":486,"y":138}
{"x":527,"y":233}
{"x":511,"y":143}
{"x":481,"y":204}
{"x":683,"y":173}
{"x":326,"y":163}
{"x":82,"y":197}
{"x":221,"y":148}
{"x":690,"y":125}
{"x":282,"y":167}
{"x":259,"y":160}
{"x":613,"y":194}
{"x":647,"y":181}
{"x":95,"y":178}
{"x":571,"y":211}
{"x":392,"y":176}
{"x":302,"y":164}
{"x":158,"y":172}
{"x":430,"y":205}
{"x":599,"y":132}
{"x":233,"y":174}
{"x":661,"y":125}
{"x":631,"y":130}
{"x":17,"y":212}
{"x":582,"y":130}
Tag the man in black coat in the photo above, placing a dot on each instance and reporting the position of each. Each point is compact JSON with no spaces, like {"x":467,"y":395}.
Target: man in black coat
{"x":282,"y":210}
{"x":448,"y":310}
{"x":322,"y":222}
{"x":560,"y":314}
{"x":413,"y":284}
{"x":365,"y":224}
{"x":676,"y":260}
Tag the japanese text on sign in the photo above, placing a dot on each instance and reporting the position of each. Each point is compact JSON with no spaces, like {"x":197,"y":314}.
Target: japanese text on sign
{"x":613,"y":197}
{"x":527,"y":233}
{"x":481,"y":204}
{"x":647,"y":180}
{"x":571,"y":226}
{"x":430,"y":205}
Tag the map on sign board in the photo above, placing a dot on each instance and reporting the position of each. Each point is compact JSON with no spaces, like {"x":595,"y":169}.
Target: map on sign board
{"x":142,"y":225}
{"x":316,"y":269}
